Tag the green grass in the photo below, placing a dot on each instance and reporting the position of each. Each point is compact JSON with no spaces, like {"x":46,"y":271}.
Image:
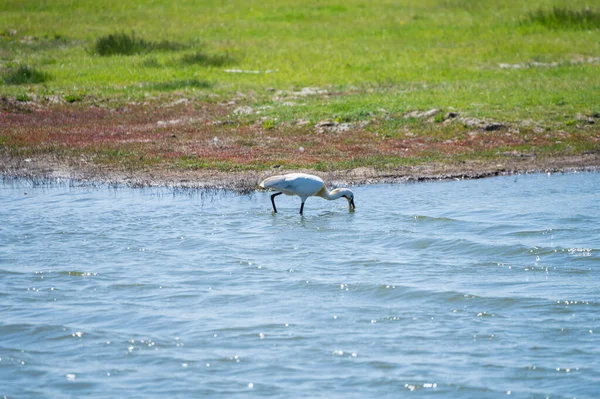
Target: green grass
{"x":418,"y":54}
{"x":128,"y":44}
{"x":202,"y":59}
{"x":72,"y":98}
{"x":120,"y":43}
{"x":173,"y":85}
{"x":565,"y":18}
{"x":377,"y":60}
{"x":268,"y":124}
{"x":23,"y":97}
{"x":24,"y":75}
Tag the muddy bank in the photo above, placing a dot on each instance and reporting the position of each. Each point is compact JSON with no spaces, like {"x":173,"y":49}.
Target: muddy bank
{"x":48,"y":168}
{"x":209,"y":145}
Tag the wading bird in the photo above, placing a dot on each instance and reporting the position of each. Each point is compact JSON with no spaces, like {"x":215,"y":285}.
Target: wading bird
{"x":304,"y":186}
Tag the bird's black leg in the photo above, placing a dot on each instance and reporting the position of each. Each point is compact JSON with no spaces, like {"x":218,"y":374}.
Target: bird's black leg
{"x":301,"y":208}
{"x":273,"y":201}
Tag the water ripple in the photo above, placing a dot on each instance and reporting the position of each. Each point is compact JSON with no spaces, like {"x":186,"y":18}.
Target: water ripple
{"x":454,"y":290}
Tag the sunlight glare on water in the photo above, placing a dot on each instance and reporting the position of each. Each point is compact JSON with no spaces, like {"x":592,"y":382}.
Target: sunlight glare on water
{"x":459,"y":289}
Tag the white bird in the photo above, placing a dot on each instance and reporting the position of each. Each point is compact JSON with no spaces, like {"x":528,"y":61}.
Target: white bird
{"x":304,"y":186}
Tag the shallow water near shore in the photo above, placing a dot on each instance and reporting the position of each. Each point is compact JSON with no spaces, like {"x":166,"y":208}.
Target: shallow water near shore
{"x":455,"y":289}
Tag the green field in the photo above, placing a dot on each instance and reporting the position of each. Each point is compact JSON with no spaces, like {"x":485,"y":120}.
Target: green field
{"x":507,"y":61}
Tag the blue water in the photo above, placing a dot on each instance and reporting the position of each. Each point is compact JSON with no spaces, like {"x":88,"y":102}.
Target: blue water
{"x":459,"y":289}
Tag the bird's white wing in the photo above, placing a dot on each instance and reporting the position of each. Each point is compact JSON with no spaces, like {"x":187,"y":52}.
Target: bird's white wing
{"x":303,"y":185}
{"x":300,"y":184}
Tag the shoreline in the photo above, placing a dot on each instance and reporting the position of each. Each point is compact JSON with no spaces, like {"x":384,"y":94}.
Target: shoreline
{"x":201,"y":145}
{"x":47,"y":168}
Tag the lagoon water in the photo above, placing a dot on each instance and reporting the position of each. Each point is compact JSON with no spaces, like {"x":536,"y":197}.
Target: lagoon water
{"x":459,"y":289}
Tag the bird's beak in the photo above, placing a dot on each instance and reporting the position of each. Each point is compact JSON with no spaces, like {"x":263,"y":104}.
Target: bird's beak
{"x":351,"y":204}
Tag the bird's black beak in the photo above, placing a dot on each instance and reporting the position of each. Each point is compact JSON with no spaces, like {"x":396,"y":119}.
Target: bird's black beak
{"x":352,"y":206}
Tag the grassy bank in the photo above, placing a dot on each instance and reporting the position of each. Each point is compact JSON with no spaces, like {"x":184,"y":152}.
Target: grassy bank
{"x":320,"y":84}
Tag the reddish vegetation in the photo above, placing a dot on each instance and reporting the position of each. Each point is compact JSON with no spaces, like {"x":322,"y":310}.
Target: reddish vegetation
{"x":92,"y":127}
{"x":190,"y":134}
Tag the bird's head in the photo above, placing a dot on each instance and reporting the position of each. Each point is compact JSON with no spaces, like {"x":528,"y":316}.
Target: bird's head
{"x":349,"y":195}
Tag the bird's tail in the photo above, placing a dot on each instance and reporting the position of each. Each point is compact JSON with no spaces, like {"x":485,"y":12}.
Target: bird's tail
{"x":269,"y":181}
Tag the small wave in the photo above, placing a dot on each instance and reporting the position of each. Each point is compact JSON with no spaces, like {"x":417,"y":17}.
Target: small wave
{"x":4,"y":272}
{"x":434,"y":219}
{"x":37,"y":332}
{"x":77,"y":273}
{"x":134,"y":286}
{"x":537,"y":233}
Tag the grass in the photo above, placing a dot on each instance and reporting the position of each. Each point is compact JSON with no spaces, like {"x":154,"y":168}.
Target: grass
{"x":120,"y":43}
{"x":268,"y":124}
{"x":24,"y":75}
{"x":203,"y":59}
{"x":426,"y":50}
{"x":128,"y":44}
{"x":179,"y":85}
{"x":23,"y":97}
{"x":565,"y":18}
{"x":71,"y":98}
{"x":367,"y":62}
